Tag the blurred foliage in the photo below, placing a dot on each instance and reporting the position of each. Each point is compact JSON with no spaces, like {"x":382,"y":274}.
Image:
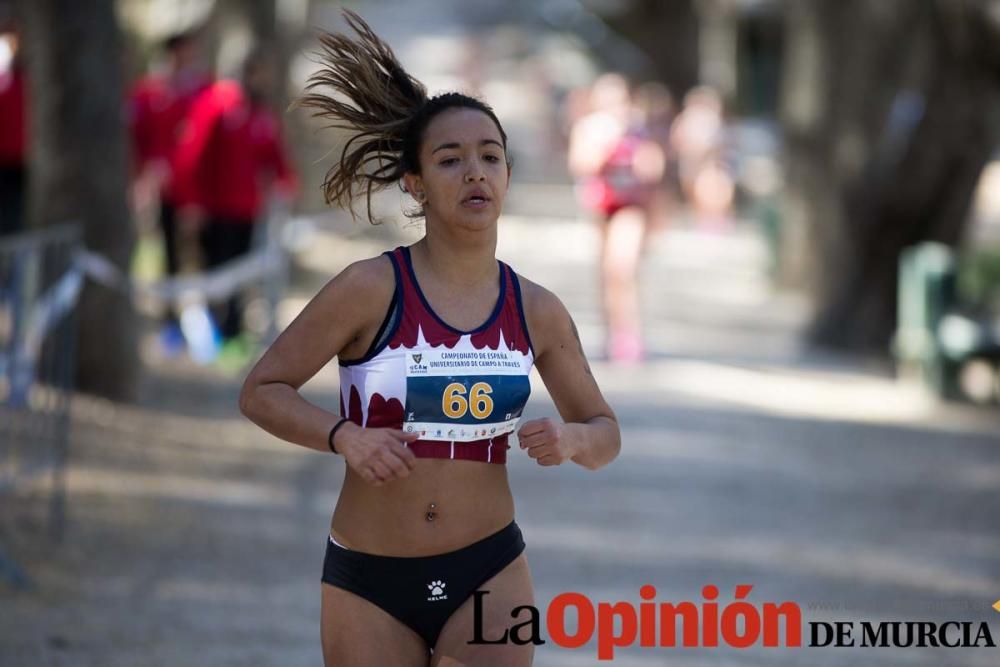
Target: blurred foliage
{"x":979,"y":278}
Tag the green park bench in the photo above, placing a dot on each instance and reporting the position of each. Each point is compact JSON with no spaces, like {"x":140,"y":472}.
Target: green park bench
{"x":948,"y":317}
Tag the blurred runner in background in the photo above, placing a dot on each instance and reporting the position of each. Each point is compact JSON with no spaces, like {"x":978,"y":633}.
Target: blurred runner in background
{"x":656,"y":108}
{"x":697,"y":138}
{"x":229,"y":157}
{"x":158,"y":106}
{"x":619,"y":168}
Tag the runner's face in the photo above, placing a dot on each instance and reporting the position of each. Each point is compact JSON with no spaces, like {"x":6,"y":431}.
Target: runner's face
{"x":464,"y":174}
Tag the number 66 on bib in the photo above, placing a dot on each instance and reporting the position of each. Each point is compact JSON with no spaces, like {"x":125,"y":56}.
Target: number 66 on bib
{"x":463,"y":396}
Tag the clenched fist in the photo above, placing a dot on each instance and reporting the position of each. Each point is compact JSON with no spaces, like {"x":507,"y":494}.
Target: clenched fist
{"x":378,"y":455}
{"x":546,"y":441}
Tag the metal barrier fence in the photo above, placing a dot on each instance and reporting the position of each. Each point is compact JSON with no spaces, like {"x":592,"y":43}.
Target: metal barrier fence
{"x":38,"y":288}
{"x":41,"y":275}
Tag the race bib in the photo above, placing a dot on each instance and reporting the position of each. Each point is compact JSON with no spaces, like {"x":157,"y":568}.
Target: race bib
{"x":463,"y":396}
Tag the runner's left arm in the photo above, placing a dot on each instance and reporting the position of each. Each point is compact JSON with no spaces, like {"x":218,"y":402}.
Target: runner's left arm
{"x":589,"y":435}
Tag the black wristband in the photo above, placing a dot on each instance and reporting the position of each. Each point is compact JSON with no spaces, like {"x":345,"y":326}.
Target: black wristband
{"x":333,"y":432}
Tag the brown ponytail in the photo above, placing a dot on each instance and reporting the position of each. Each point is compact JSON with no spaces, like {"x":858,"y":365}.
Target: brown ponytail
{"x":386,"y":109}
{"x":381,"y":100}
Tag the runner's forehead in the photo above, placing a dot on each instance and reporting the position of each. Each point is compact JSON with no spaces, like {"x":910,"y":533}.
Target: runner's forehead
{"x":463,"y":127}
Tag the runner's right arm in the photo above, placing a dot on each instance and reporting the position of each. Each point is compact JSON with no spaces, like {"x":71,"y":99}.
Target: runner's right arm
{"x":343,"y":316}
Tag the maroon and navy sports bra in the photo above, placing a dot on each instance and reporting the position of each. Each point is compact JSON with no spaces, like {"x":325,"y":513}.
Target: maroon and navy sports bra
{"x":462,"y":391}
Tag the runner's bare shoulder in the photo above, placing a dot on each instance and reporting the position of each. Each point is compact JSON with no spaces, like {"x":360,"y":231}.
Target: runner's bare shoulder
{"x":360,"y":294}
{"x":544,"y":311}
{"x":347,"y":308}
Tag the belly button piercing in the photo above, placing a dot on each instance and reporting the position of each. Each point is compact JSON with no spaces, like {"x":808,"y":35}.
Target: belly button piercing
{"x":431,"y":514}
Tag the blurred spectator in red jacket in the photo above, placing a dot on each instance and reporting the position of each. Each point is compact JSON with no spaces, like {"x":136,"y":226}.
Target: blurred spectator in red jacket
{"x":13,"y":135}
{"x":158,"y":106}
{"x":229,"y":157}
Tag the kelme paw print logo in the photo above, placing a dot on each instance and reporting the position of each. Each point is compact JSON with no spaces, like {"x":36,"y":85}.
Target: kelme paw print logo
{"x":436,"y":587}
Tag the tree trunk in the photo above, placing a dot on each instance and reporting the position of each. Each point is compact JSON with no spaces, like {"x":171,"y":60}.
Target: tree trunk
{"x":78,"y":169}
{"x":667,"y":32}
{"x":267,"y":32}
{"x":263,"y":19}
{"x":886,"y":110}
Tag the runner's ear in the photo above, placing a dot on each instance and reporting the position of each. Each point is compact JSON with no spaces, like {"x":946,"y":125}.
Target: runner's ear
{"x":414,"y":185}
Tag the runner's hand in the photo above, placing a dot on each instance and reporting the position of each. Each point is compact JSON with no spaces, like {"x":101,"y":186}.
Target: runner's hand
{"x":377,"y":455}
{"x":546,"y":441}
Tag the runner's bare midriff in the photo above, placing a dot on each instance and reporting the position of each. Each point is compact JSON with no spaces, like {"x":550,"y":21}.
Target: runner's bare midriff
{"x":441,"y":506}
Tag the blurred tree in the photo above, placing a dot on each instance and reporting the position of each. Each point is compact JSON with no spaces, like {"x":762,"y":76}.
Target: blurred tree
{"x":267,"y":31}
{"x":78,"y":168}
{"x":667,"y":32}
{"x":890,"y":110}
{"x":263,"y":19}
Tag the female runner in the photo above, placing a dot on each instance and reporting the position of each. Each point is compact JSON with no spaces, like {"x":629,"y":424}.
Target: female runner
{"x":435,"y":342}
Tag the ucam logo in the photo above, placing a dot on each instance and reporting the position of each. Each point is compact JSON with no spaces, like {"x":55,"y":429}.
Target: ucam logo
{"x":416,"y":367}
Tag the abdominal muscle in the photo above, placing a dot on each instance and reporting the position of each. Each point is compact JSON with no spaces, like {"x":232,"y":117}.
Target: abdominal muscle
{"x":471,"y":500}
